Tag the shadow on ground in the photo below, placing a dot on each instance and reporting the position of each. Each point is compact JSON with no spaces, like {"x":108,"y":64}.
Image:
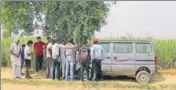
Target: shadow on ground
{"x":155,"y":78}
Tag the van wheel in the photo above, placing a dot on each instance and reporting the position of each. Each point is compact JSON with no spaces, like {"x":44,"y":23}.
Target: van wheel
{"x":143,"y":77}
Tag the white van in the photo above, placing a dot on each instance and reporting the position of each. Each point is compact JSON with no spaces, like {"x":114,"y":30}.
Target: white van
{"x":130,"y":58}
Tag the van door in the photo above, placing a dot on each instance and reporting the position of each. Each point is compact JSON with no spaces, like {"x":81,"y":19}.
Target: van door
{"x":106,"y":63}
{"x":123,"y":58}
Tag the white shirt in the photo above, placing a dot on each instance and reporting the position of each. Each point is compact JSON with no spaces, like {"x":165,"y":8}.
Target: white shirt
{"x":16,"y":50}
{"x":55,"y":51}
{"x":27,"y":50}
{"x":97,"y":52}
{"x":47,"y":50}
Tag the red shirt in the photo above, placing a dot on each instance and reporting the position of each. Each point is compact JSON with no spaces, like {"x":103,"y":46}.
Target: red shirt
{"x":38,"y":46}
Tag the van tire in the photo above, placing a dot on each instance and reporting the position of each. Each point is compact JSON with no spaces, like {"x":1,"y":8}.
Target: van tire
{"x":143,"y":77}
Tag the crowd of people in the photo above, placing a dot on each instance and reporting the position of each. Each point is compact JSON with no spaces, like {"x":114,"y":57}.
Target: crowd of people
{"x":61,"y":57}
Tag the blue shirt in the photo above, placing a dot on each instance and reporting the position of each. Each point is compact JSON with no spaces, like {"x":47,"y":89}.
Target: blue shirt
{"x":22,"y":54}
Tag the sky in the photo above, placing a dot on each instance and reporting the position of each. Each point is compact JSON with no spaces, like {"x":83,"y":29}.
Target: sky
{"x":141,"y":19}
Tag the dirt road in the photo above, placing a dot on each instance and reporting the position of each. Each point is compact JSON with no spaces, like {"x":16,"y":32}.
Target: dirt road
{"x":160,"y":82}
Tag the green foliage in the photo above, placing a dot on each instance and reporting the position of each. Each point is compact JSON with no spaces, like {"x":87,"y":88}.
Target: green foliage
{"x":62,"y":19}
{"x":17,"y":14}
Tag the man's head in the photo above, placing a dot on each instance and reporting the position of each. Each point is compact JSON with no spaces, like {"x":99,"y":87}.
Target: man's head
{"x":52,"y":41}
{"x":59,"y":41}
{"x":17,"y":41}
{"x":38,"y":38}
{"x":29,"y":43}
{"x":23,"y":45}
{"x":84,"y":43}
{"x":70,"y":40}
{"x":49,"y":39}
{"x":62,"y":41}
{"x":95,"y":41}
{"x":56,"y":40}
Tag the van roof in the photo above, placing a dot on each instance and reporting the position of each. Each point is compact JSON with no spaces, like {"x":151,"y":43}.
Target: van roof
{"x":144,"y":41}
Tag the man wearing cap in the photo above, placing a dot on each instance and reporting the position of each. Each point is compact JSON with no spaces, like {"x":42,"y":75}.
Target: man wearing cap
{"x":15,"y":58}
{"x":96,"y":57}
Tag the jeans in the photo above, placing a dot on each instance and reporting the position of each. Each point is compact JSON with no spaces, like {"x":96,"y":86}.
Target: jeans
{"x":97,"y":73}
{"x":63,"y":68}
{"x":69,"y":63}
{"x":38,"y":63}
{"x":84,"y":66}
{"x":55,"y":70}
{"x":16,"y":70}
{"x":48,"y":69}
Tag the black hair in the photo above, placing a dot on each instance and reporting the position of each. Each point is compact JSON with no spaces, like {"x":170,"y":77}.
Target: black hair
{"x":48,"y":38}
{"x":85,"y":42}
{"x":52,"y":41}
{"x":38,"y":37}
{"x":29,"y":42}
{"x":71,"y":40}
{"x":23,"y":45}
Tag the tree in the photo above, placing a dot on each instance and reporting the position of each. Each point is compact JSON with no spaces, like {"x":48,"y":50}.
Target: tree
{"x":72,"y":19}
{"x":17,"y":14}
{"x":62,"y":19}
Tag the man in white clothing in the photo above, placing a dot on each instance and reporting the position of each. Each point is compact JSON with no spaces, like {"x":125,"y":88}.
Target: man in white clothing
{"x":15,"y":58}
{"x":56,"y":59}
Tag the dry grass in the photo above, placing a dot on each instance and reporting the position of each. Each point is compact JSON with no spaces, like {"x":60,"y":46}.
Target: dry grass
{"x":163,"y":80}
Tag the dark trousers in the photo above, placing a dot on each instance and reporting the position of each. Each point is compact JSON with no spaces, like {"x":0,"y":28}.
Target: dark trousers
{"x":38,"y":63}
{"x":85,"y":66}
{"x":22,"y":64}
{"x":96,"y":67}
{"x":56,"y":71}
{"x":48,"y":69}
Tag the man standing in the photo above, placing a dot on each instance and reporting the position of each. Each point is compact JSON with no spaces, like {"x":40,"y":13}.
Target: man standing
{"x":28,"y":57}
{"x":63,"y":57}
{"x":48,"y":51}
{"x":15,"y":58}
{"x":38,"y":46}
{"x":56,"y":60}
{"x":70,"y":59}
{"x":96,"y":57}
{"x":45,"y":47}
{"x":84,"y":54}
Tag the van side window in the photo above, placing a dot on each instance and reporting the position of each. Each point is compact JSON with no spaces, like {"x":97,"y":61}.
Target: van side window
{"x":122,"y":47}
{"x":106,"y":46}
{"x":143,"y":48}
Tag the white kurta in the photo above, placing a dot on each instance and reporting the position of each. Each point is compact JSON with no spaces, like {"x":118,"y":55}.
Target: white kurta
{"x":16,"y":62}
{"x":15,"y":49}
